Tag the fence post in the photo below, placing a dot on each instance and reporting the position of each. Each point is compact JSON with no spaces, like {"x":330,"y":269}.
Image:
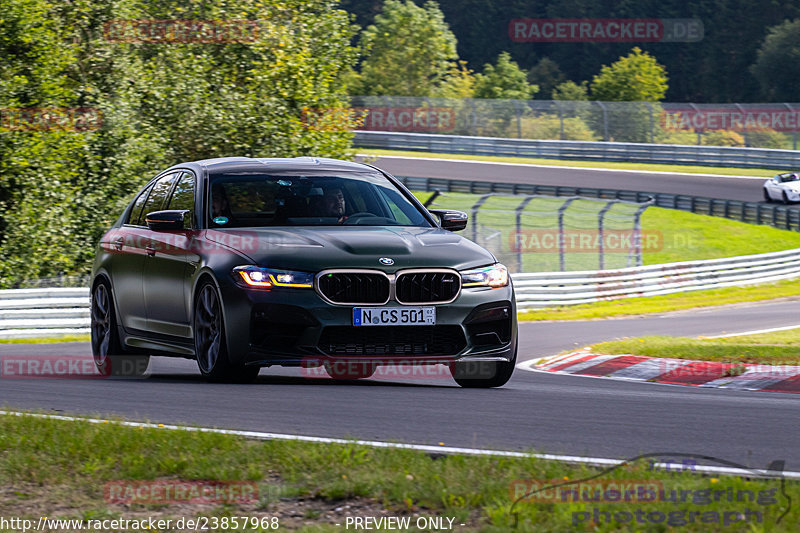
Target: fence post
{"x":560,"y":118}
{"x":564,"y":206}
{"x":432,"y":197}
{"x":600,"y":233}
{"x":519,"y":209}
{"x":637,"y":236}
{"x":475,"y":209}
{"x":474,"y":117}
{"x":652,"y":124}
{"x":605,"y":120}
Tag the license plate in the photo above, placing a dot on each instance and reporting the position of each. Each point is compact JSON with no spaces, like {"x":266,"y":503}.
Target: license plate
{"x":394,"y":316}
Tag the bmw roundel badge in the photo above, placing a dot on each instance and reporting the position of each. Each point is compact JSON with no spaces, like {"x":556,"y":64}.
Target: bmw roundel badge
{"x":386,"y":261}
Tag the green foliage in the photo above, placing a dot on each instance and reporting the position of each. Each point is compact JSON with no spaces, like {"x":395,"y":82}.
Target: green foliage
{"x":571,"y":91}
{"x":550,"y":127}
{"x":459,"y":82}
{"x":637,"y":77}
{"x":547,"y":75}
{"x":775,"y":66}
{"x":504,"y":80}
{"x":768,"y":138}
{"x":162,"y":102}
{"x":408,"y":51}
{"x":723,"y":138}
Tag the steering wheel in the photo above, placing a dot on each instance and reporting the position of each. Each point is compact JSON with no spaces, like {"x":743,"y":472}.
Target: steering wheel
{"x":358,"y":215}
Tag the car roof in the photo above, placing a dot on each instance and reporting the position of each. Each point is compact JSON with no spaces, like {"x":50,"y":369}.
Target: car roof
{"x":251,"y":164}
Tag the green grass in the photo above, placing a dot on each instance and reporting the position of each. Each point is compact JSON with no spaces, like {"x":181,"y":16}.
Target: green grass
{"x":59,"y":468}
{"x":669,"y":235}
{"x":689,"y":169}
{"x":666,"y":303}
{"x":45,"y":340}
{"x":685,"y":236}
{"x":775,"y":348}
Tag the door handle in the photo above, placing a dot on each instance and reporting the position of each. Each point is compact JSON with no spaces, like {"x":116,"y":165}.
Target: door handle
{"x":118,"y":243}
{"x":151,"y":251}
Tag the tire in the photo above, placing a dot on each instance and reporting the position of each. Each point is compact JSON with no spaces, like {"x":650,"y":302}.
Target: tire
{"x":109,"y":356}
{"x":210,"y":347}
{"x":767,"y":197}
{"x":349,"y":370}
{"x":483,"y":374}
{"x":785,"y":198}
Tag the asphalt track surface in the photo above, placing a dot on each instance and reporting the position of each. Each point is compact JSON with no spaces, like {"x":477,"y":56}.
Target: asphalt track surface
{"x":745,"y":189}
{"x":541,"y":412}
{"x":535,"y":411}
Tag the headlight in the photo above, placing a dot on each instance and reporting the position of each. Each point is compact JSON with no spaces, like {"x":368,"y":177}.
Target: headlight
{"x":254,"y":277}
{"x":490,"y":276}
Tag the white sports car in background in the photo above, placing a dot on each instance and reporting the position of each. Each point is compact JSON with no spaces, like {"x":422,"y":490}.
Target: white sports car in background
{"x":784,"y":187}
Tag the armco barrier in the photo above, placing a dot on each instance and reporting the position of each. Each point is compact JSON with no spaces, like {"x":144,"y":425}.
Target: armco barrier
{"x":672,"y":154}
{"x":547,"y":289}
{"x":43,"y":312}
{"x":775,"y":215}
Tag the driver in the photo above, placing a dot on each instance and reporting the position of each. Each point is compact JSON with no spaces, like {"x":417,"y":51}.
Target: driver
{"x":332,"y":204}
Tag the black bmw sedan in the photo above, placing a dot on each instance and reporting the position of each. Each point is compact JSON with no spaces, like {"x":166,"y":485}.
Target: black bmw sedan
{"x":245,"y":263}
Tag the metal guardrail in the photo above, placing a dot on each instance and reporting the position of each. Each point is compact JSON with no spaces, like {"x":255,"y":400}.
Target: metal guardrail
{"x":672,"y":154}
{"x":45,"y":312}
{"x":547,"y":289}
{"x":775,"y":215}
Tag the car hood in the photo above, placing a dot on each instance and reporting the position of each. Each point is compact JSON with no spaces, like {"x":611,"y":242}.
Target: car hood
{"x":315,"y":249}
{"x":792,"y":186}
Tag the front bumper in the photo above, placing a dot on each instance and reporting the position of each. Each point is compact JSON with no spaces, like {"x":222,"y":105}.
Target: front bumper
{"x":296,"y":327}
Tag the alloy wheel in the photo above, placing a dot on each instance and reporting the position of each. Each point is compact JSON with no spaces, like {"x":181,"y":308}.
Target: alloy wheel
{"x":208,"y":329}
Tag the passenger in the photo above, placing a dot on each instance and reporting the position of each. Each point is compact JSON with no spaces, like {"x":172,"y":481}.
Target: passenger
{"x":219,"y":204}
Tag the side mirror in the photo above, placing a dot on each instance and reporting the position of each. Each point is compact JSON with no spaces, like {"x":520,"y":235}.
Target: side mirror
{"x":166,"y":220}
{"x":451,"y":220}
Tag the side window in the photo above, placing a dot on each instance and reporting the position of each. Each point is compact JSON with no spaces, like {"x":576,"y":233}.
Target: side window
{"x":397,"y":213}
{"x":183,"y":198}
{"x":155,"y":202}
{"x":136,"y":212}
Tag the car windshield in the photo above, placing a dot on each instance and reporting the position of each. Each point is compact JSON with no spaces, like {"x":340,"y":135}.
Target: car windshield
{"x":242,"y":200}
{"x":789,"y":177}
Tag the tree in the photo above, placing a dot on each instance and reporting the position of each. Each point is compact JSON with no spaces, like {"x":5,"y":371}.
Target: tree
{"x":459,"y":83}
{"x":776,"y":64}
{"x":629,"y":84}
{"x":408,"y":51}
{"x":571,"y":91}
{"x":638,"y":77}
{"x":547,"y":75}
{"x":504,"y":80}
{"x":160,"y":103}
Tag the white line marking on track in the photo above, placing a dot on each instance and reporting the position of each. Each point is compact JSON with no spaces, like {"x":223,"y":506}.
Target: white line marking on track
{"x":625,"y":170}
{"x":753,"y":332}
{"x":592,"y":461}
